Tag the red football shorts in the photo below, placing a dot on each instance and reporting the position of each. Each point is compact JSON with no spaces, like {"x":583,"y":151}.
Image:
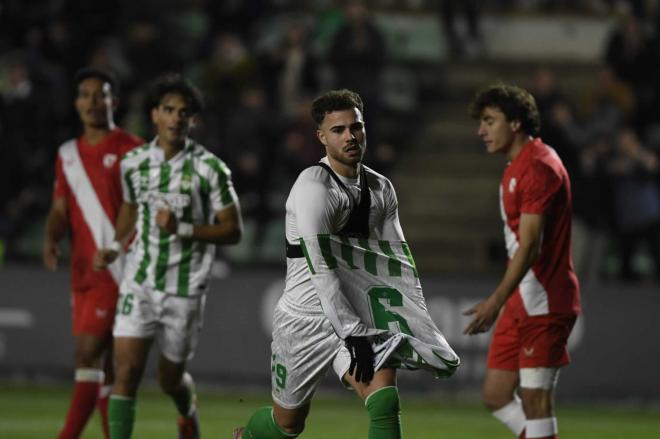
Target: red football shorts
{"x":93,"y":310}
{"x":530,"y":341}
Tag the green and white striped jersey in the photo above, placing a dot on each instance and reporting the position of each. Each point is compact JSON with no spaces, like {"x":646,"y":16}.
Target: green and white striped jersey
{"x":377,"y":281}
{"x":194,"y":184}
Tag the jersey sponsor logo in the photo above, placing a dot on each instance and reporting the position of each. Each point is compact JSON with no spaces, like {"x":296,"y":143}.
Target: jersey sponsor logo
{"x":512,"y":185}
{"x":529,"y":352}
{"x":160,"y":200}
{"x":101,"y":313}
{"x":109,"y":160}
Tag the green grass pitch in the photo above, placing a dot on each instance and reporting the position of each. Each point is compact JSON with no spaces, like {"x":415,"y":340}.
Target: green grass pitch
{"x":29,"y":412}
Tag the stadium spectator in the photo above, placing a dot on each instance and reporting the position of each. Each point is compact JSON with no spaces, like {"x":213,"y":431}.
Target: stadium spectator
{"x":357,"y":55}
{"x":290,"y":70}
{"x":323,"y":319}
{"x":633,"y":170}
{"x":86,"y":202}
{"x":538,"y":295}
{"x":182,"y":201}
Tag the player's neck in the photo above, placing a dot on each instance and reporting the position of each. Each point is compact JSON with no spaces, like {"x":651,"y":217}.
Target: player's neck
{"x":94,"y":134}
{"x":170,"y":148}
{"x":518,"y":144}
{"x":348,"y":171}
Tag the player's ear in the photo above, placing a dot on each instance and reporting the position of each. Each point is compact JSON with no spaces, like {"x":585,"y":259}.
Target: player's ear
{"x":321,"y":135}
{"x":515,"y":125}
{"x":154,"y":114}
{"x":194,"y":120}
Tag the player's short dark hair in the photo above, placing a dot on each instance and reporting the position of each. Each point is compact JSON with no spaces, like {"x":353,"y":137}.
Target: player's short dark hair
{"x":335,"y":100}
{"x":515,"y":102}
{"x":101,"y":75}
{"x":174,"y":83}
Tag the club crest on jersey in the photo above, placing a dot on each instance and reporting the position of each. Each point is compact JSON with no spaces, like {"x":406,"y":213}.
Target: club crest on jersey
{"x":512,"y":185}
{"x":109,"y":160}
{"x":186,"y":182}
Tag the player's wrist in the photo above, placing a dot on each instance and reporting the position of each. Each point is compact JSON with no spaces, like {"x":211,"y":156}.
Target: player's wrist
{"x":115,"y":246}
{"x":184,"y":230}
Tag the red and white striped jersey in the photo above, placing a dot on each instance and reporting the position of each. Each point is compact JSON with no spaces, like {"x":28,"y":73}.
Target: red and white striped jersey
{"x":88,"y":177}
{"x":536,"y":182}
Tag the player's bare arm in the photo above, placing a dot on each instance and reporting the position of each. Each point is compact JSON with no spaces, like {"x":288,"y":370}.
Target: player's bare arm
{"x":123,"y":230}
{"x":56,"y":225}
{"x":485,"y":313}
{"x":227,"y":230}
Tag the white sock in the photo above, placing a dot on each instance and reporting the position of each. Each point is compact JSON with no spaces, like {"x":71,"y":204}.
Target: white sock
{"x":512,"y":416}
{"x":89,"y":375}
{"x":545,"y":427}
{"x":104,"y":391}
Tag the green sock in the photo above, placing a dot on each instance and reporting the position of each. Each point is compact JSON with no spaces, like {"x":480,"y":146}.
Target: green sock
{"x":121,"y":416}
{"x":383,"y":407}
{"x":184,"y":400}
{"x":262,"y":426}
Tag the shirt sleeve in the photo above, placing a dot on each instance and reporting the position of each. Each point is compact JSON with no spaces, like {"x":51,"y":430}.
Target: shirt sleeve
{"x":61,"y":187}
{"x":539,"y":186}
{"x":222,"y":192}
{"x":127,"y":183}
{"x":391,"y":228}
{"x":315,"y":207}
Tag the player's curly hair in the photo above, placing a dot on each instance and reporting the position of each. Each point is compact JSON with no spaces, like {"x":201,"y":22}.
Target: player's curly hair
{"x":174,"y":83}
{"x":515,"y":102}
{"x":335,"y":100}
{"x":101,"y":75}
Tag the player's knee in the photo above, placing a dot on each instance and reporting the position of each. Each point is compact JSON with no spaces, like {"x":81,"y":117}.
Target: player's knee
{"x":262,"y":424}
{"x":383,"y":405}
{"x":494,"y":399}
{"x":87,"y":355}
{"x":536,"y":403}
{"x":536,"y":391}
{"x":127,"y":377}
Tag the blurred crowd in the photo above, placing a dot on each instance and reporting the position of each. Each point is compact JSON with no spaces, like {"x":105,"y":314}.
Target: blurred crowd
{"x":260,"y":62}
{"x":609,"y":140}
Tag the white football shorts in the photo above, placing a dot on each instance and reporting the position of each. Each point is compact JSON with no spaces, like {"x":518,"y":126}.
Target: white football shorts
{"x":173,"y":321}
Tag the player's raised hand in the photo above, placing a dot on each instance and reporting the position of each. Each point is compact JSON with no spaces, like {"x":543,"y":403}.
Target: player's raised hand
{"x":166,"y":221}
{"x":104,"y":257}
{"x":51,"y":254}
{"x":485,"y":313}
{"x":362,"y":359}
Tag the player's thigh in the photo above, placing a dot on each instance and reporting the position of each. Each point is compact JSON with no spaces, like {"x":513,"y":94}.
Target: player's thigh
{"x":504,"y":348}
{"x":94,"y":310}
{"x":544,"y":341}
{"x":89,"y":349}
{"x":137,"y":314}
{"x":180,"y":324}
{"x":303,"y":349}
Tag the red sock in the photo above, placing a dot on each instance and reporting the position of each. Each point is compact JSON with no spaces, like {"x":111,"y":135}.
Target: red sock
{"x":83,"y":400}
{"x":102,"y":407}
{"x":522,"y":435}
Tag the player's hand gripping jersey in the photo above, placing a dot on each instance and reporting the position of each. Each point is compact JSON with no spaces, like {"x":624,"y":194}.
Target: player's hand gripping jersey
{"x":376,"y":282}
